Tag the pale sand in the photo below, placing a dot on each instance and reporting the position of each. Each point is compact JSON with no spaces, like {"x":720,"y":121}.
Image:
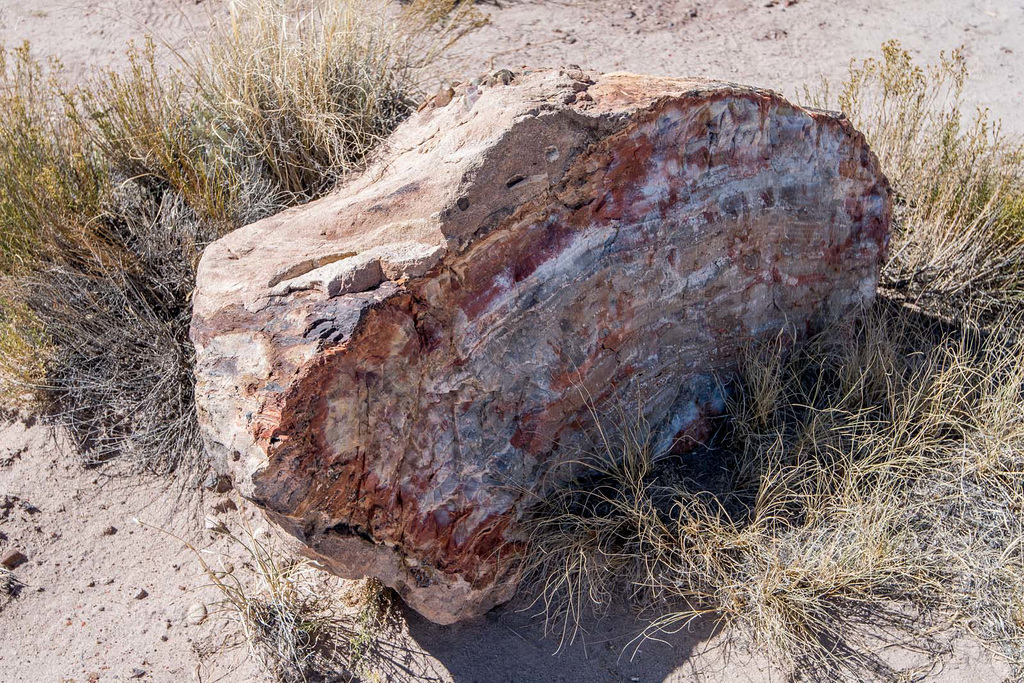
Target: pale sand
{"x":785,"y":46}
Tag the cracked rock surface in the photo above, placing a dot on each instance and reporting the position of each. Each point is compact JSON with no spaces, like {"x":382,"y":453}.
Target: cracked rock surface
{"x":389,"y":371}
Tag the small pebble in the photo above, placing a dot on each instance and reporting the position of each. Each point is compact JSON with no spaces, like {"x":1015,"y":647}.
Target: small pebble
{"x":13,"y":558}
{"x":504,"y":76}
{"x":142,"y":594}
{"x":444,"y":96}
{"x":196,"y":614}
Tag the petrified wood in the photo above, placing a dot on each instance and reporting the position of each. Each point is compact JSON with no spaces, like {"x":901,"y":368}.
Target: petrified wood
{"x":388,"y":371}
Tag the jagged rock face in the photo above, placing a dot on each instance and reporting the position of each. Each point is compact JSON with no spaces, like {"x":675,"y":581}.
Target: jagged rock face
{"x":389,"y":371}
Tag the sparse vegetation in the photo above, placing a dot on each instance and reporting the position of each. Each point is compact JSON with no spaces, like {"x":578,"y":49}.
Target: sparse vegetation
{"x":958,"y":234}
{"x":10,"y":586}
{"x":867,"y":482}
{"x":110,"y":190}
{"x":290,"y":627}
{"x":8,"y":581}
{"x":868,"y":477}
{"x":873,"y":476}
{"x":292,"y":618}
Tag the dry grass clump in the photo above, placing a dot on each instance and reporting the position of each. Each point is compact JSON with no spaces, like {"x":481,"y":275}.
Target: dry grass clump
{"x":865,"y":487}
{"x":109,"y":191}
{"x":290,"y":627}
{"x":8,"y":582}
{"x":958,"y":238}
{"x":312,"y":89}
{"x":871,"y":478}
{"x":293,"y":620}
{"x":10,"y":586}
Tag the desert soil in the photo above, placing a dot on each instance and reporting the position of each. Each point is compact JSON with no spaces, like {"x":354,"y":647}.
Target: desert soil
{"x":107,"y":598}
{"x":780,"y":44}
{"x":109,"y":592}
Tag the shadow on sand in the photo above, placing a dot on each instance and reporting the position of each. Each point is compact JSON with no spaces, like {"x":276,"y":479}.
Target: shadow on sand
{"x":509,"y":646}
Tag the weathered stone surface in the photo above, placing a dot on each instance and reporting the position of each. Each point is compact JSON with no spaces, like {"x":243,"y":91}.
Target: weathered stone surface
{"x":388,"y":371}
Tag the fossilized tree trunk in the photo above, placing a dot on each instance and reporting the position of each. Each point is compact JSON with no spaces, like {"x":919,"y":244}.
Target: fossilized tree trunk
{"x":389,"y":370}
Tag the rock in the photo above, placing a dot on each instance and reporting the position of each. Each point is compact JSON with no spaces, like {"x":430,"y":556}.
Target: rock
{"x":444,"y":97}
{"x":7,"y":504}
{"x":502,"y":76}
{"x":110,"y":531}
{"x":226,"y":505}
{"x":217,"y":483}
{"x":539,"y":254}
{"x":142,"y":594}
{"x":13,"y":558}
{"x":196,"y":614}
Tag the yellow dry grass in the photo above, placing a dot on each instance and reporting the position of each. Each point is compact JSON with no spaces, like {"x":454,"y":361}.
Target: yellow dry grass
{"x":866,"y":486}
{"x":110,"y":190}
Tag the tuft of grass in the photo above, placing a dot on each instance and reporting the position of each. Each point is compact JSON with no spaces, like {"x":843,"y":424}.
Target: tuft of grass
{"x":870,"y":479}
{"x":110,"y":190}
{"x":292,"y":620}
{"x":958,"y":234}
{"x":290,"y":627}
{"x":313,"y":91}
{"x":865,"y":487}
{"x":7,"y":581}
{"x":10,"y":586}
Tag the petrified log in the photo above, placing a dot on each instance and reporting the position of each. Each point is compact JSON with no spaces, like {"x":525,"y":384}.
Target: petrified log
{"x":389,"y":370}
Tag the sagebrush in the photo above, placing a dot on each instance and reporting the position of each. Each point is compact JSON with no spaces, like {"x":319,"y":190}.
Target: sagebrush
{"x":865,"y":486}
{"x":958,"y":233}
{"x":110,"y":190}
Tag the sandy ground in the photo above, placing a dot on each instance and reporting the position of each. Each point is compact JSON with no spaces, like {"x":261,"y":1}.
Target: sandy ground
{"x":106,"y":598}
{"x":89,"y":33}
{"x":781,"y":44}
{"x":78,"y":616}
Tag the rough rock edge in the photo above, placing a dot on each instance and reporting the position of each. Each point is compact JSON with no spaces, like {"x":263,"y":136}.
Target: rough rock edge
{"x":351,"y":272}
